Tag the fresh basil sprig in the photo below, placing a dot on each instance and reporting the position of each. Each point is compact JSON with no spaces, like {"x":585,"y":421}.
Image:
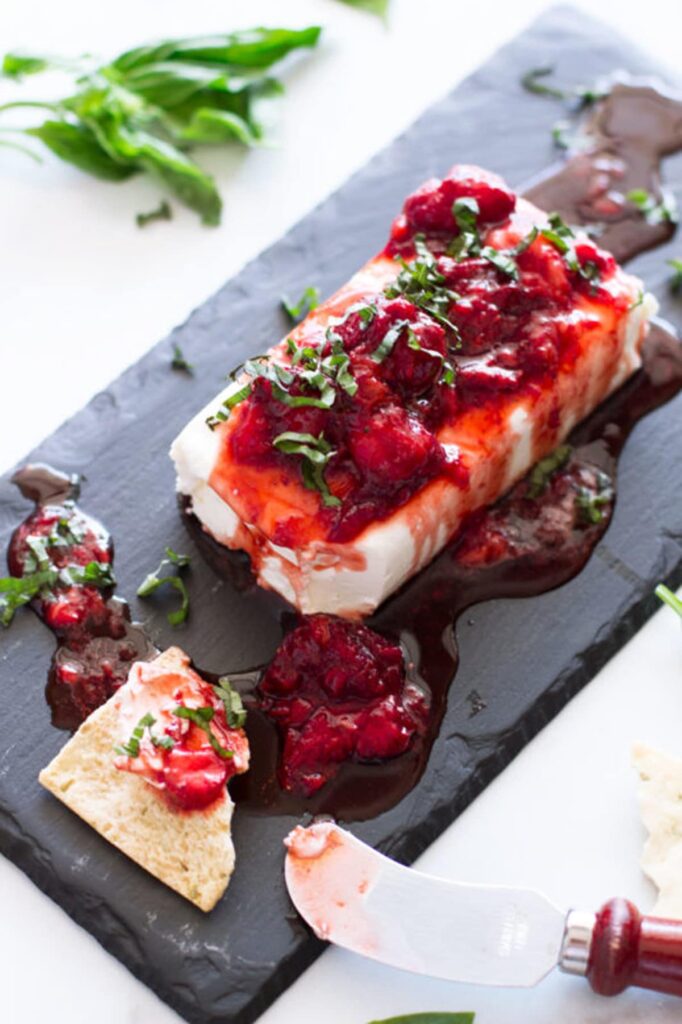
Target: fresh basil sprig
{"x":151,"y":105}
{"x":156,"y":579}
{"x":316,"y":453}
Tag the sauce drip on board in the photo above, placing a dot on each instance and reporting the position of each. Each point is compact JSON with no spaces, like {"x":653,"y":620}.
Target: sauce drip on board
{"x":526,"y":544}
{"x":620,"y":149}
{"x":96,"y":641}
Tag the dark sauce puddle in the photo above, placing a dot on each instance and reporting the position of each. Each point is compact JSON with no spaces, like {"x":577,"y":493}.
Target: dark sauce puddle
{"x":519,"y":547}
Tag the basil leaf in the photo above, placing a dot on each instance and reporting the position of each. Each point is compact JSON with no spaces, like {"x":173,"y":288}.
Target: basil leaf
{"x":387,"y":343}
{"x":297,"y":311}
{"x":531,"y":83}
{"x":248,"y":48}
{"x":202,"y":717}
{"x":590,"y":503}
{"x":132,"y":747}
{"x":154,"y":580}
{"x":676,"y":280}
{"x":94,"y":574}
{"x":672,"y":600}
{"x":212,"y":127}
{"x":501,"y":260}
{"x":543,"y":470}
{"x":235,"y":713}
{"x":378,"y":7}
{"x":14,"y":65}
{"x":178,"y":362}
{"x":162,"y":212}
{"x":316,"y":453}
{"x":430,"y":1018}
{"x":183,"y":177}
{"x":16,"y":591}
{"x":78,"y":145}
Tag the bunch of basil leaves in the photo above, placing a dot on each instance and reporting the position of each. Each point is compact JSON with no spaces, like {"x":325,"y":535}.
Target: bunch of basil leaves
{"x":148,"y":108}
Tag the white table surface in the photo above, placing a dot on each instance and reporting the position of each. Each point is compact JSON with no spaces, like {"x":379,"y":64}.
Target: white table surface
{"x":84,"y":293}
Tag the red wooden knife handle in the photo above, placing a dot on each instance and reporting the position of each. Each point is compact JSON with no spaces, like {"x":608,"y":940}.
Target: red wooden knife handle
{"x":630,"y":949}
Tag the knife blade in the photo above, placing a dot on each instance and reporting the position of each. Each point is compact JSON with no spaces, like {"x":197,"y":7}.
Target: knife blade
{"x":359,"y":899}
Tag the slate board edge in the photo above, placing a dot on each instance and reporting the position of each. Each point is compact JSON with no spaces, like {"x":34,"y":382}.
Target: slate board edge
{"x":88,"y":914}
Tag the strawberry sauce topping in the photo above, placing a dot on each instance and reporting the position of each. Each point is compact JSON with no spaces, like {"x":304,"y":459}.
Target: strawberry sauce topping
{"x":338,"y":693}
{"x":481,"y":309}
{"x":178,"y":737}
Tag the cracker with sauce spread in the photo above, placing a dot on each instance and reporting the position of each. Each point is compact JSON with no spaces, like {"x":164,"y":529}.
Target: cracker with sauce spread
{"x":188,"y":849}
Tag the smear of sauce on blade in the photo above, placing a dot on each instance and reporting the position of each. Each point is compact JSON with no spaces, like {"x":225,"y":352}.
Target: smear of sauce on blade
{"x":96,"y":641}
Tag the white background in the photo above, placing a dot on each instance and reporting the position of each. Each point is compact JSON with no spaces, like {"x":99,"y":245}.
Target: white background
{"x":84,"y":293}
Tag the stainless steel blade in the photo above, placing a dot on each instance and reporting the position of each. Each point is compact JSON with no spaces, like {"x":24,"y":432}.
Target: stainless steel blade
{"x":357,"y":898}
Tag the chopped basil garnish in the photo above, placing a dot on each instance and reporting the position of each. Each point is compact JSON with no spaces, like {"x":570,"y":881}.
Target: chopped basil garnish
{"x":672,"y":600}
{"x":543,"y":470}
{"x":235,"y":712}
{"x":94,"y":574}
{"x":132,"y":747}
{"x":387,"y":343}
{"x":663,"y":212}
{"x":154,"y":580}
{"x":18,"y":590}
{"x":162,"y":212}
{"x":502,"y":260}
{"x":65,"y":533}
{"x":421,"y":282}
{"x":560,"y":134}
{"x":38,"y":558}
{"x":178,"y":362}
{"x":297,"y":311}
{"x":531,"y":83}
{"x":562,"y":237}
{"x":316,"y":453}
{"x":676,"y":279}
{"x":202,"y":717}
{"x":590,"y":503}
{"x":465,"y":211}
{"x":228,"y":405}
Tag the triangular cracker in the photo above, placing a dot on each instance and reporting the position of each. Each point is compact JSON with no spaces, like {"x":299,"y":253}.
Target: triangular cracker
{"x":191,"y":852}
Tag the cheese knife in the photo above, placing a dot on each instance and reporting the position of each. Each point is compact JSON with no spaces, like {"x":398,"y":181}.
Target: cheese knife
{"x":487,"y":935}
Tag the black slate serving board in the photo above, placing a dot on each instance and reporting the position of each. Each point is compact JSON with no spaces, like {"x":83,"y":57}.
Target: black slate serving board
{"x":526,"y":658}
